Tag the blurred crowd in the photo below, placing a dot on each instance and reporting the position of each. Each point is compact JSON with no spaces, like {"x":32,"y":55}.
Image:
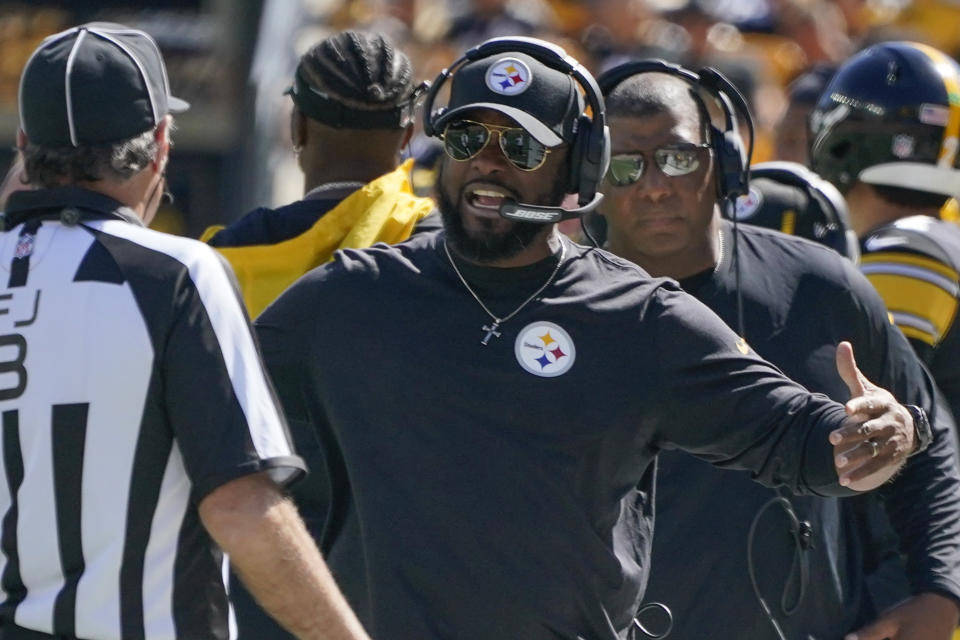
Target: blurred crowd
{"x":325,"y":122}
{"x":762,"y":45}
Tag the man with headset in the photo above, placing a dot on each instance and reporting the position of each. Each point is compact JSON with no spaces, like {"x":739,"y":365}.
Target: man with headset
{"x":513,"y":388}
{"x":766,"y":562}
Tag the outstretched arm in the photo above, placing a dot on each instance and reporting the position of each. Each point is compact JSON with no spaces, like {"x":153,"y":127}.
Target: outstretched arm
{"x":277,"y":559}
{"x":735,"y":410}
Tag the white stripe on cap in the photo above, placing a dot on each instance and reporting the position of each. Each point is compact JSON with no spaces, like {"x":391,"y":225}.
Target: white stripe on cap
{"x":66,"y":80}
{"x":105,"y":34}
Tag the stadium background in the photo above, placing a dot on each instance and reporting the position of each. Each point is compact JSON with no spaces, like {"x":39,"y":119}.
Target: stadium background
{"x":232,"y":59}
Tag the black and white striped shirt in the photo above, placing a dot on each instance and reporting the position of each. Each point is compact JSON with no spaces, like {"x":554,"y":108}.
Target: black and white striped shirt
{"x":130,"y":387}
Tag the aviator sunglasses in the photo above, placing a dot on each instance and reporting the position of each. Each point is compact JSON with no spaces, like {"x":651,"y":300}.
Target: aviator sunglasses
{"x":464,"y":139}
{"x":676,"y":160}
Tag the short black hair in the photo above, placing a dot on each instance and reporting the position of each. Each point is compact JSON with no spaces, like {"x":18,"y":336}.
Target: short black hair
{"x":651,"y":93}
{"x":359,"y":70}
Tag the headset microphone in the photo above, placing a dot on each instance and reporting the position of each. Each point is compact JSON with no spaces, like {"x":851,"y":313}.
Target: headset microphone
{"x":521,"y":212}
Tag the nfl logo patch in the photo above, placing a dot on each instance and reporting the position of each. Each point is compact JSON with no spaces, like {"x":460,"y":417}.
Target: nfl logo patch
{"x":903,"y":145}
{"x":24,"y":246}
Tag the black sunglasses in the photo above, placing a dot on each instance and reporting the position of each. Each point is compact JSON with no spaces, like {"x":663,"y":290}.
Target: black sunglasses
{"x":676,"y":160}
{"x":464,"y":139}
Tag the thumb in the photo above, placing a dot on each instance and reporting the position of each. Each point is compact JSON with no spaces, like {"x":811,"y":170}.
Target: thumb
{"x":879,"y":630}
{"x":847,"y":368}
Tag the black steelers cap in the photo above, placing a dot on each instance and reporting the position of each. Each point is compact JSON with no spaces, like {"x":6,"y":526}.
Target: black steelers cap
{"x":543,"y":100}
{"x":94,"y":84}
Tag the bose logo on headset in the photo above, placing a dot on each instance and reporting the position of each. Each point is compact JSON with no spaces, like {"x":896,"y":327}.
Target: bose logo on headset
{"x":590,"y":150}
{"x":732,"y":161}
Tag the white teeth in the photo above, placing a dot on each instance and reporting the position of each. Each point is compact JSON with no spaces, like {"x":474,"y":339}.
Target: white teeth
{"x":488,"y":194}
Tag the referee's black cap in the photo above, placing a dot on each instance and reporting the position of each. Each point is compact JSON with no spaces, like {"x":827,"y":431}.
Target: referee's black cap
{"x":94,"y":84}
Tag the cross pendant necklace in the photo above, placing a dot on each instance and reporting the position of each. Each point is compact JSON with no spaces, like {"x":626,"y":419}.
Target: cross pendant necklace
{"x":493,"y":330}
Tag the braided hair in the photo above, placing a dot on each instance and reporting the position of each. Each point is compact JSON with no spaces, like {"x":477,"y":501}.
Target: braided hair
{"x":359,"y":70}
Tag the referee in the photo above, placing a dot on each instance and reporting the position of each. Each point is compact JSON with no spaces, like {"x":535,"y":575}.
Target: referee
{"x":140,"y":435}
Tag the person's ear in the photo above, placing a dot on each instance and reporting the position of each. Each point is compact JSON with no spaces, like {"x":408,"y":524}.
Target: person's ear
{"x":21,"y":139}
{"x":161,"y":136}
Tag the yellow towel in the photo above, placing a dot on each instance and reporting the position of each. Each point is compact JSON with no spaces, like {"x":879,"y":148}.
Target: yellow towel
{"x":384,"y":210}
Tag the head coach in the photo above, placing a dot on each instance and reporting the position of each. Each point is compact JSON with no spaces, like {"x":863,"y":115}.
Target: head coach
{"x":507,"y":390}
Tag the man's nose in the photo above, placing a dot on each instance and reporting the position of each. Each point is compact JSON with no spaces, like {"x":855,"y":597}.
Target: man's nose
{"x":654,"y":183}
{"x":491,"y":157}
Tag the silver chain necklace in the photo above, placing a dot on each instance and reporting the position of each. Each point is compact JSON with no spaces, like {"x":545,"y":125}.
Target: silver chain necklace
{"x":492,"y":330}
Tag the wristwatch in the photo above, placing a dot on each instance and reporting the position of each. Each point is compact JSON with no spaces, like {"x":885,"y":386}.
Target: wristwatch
{"x":921,"y":428}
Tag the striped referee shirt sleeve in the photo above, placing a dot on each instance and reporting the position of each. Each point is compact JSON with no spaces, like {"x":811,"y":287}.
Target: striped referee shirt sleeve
{"x":222,"y":405}
{"x":213,"y":388}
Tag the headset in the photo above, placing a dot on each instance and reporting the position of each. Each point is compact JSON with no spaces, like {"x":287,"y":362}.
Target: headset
{"x":590,"y":153}
{"x":838,"y":234}
{"x":731,"y":160}
{"x":732,"y":164}
{"x":732,"y":170}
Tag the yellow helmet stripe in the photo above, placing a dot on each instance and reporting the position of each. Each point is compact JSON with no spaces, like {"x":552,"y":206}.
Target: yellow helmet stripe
{"x":948,"y":73}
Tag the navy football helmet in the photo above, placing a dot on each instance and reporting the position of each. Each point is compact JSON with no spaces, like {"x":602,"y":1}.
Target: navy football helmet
{"x":890,"y":117}
{"x":788,"y":197}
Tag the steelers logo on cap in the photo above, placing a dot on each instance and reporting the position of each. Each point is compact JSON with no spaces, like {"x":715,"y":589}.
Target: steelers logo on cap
{"x":508,"y":76}
{"x":545,"y":349}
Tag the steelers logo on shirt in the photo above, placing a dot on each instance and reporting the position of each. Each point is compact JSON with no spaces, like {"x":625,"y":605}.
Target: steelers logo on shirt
{"x":545,"y":349}
{"x":508,"y":76}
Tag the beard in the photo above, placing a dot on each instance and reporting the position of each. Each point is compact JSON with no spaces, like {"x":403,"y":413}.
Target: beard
{"x":491,"y":246}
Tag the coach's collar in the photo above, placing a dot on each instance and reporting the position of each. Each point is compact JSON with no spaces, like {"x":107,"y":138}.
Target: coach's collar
{"x":69,"y":204}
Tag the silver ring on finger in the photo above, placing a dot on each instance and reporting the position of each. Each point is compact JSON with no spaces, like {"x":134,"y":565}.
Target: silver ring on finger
{"x":874,"y":448}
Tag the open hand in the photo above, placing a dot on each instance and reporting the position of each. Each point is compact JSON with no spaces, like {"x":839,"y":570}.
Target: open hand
{"x":878,"y":434}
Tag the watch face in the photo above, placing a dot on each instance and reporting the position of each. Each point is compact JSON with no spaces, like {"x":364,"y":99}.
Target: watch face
{"x":921,"y":428}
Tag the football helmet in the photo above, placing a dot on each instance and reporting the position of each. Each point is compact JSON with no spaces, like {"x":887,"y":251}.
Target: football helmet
{"x":890,"y":116}
{"x":788,"y":197}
